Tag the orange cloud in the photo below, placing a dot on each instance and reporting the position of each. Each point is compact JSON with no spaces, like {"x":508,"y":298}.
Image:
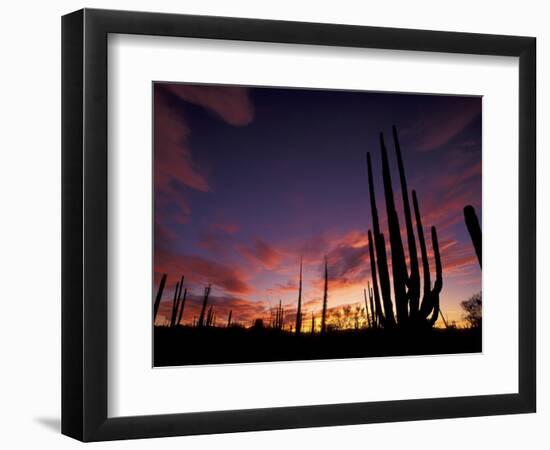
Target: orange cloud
{"x":260,"y":251}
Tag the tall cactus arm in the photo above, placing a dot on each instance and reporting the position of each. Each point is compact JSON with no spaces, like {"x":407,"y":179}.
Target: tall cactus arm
{"x":174,"y":305}
{"x":178,"y":302}
{"x":374,"y":320}
{"x":413,"y":281}
{"x":383,"y":271}
{"x":472,"y":223}
{"x":424,"y":253}
{"x":438,"y":285}
{"x":325,"y":300}
{"x":159,"y":296}
{"x":385,"y":316}
{"x":399,"y":267}
{"x":369,"y":323}
{"x":381,"y":261}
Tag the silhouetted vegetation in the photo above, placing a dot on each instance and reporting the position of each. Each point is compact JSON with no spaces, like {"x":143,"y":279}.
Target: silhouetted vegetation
{"x":325,"y":301}
{"x":472,"y":306}
{"x":472,"y":223}
{"x":204,"y":303}
{"x":299,"y":310}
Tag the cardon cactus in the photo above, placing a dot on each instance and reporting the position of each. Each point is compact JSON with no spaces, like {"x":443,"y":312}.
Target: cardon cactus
{"x":299,"y":309}
{"x":159,"y":296}
{"x":472,"y":223}
{"x":410,"y":309}
{"x":325,"y":301}
{"x":176,"y":303}
{"x":201,"y":321}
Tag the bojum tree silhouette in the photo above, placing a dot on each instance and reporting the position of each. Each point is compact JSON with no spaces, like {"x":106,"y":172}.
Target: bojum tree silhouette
{"x":410,"y":312}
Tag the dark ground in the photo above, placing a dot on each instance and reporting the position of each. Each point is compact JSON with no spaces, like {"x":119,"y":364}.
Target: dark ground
{"x":185,"y":345}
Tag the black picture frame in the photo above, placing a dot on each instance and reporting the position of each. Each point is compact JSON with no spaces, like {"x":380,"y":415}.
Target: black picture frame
{"x":84,"y":224}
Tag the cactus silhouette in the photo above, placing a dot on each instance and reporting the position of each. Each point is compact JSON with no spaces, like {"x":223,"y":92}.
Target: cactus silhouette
{"x":312,"y":323}
{"x":299,"y":309}
{"x":176,"y":302}
{"x":159,"y":296}
{"x":409,"y":310}
{"x":371,"y":302}
{"x":209,"y":317}
{"x":182,"y":305}
{"x":472,"y":223}
{"x":279,"y":317}
{"x":204,"y":303}
{"x":378,"y":314}
{"x":367,"y":309}
{"x":325,"y":301}
{"x":229,"y":318}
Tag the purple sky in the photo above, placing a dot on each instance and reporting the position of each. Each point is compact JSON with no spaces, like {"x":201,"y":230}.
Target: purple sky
{"x":248,"y":180}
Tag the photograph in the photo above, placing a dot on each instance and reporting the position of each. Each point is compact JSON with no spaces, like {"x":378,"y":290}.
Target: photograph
{"x":308,"y":224}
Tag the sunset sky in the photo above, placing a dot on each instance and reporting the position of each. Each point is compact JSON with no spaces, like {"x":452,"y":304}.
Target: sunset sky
{"x":249,"y":180}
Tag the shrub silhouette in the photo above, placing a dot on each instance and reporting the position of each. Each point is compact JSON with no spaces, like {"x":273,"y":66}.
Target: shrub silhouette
{"x":472,"y":306}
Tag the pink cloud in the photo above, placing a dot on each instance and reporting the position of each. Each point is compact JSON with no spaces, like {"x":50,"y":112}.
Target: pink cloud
{"x":202,"y":271}
{"x":230,"y":103}
{"x":174,"y":165}
{"x":173,"y":159}
{"x":260,"y":251}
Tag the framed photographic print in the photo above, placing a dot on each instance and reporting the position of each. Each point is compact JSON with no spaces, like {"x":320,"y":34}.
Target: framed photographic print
{"x":266,"y":224}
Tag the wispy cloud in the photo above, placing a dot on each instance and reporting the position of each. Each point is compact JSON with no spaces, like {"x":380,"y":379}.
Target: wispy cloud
{"x":434,"y":130}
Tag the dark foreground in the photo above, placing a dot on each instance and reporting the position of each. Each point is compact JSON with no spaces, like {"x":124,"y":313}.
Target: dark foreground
{"x":185,"y":345}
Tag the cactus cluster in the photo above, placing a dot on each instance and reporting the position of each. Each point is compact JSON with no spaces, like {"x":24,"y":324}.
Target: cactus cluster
{"x":410,"y":309}
{"x":279,"y":318}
